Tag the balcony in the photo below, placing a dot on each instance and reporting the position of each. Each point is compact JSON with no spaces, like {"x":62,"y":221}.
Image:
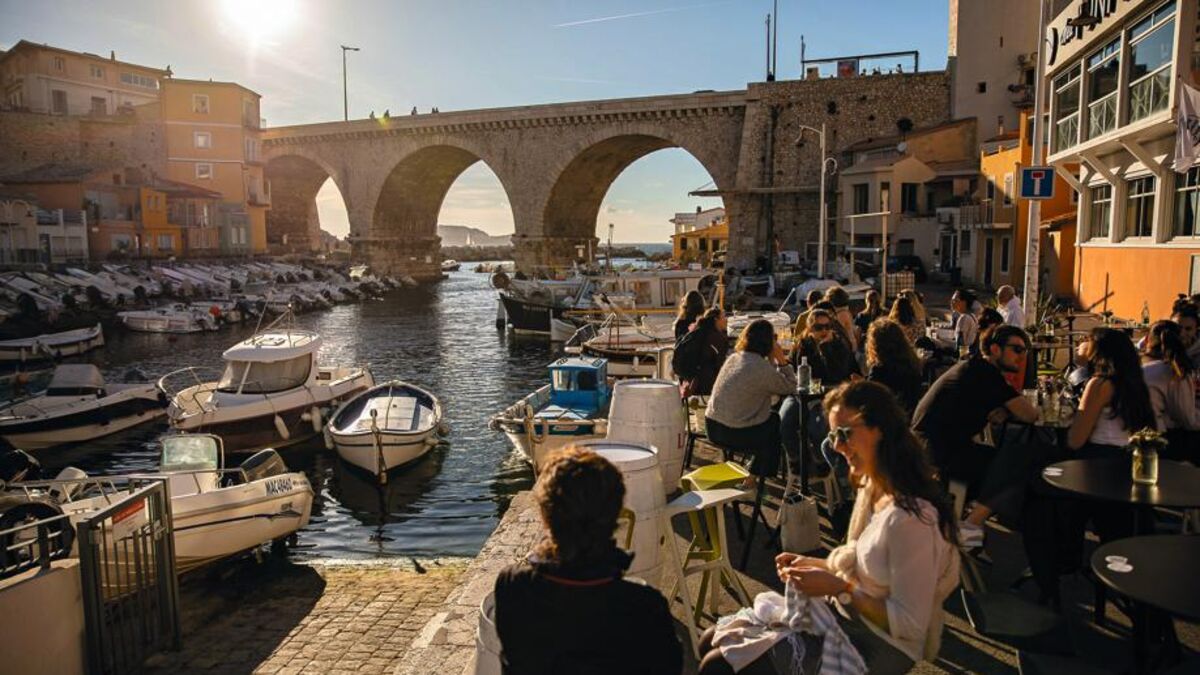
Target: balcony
{"x":1102,"y":115}
{"x":255,"y":198}
{"x":1149,"y":95}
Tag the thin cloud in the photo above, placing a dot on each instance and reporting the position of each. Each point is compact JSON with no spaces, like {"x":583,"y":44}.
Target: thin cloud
{"x":635,"y":15}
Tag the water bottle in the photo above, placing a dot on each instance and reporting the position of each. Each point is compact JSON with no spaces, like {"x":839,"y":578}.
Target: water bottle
{"x":803,"y":375}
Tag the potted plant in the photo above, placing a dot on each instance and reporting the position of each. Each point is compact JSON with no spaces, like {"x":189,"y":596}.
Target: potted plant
{"x":1144,"y":447}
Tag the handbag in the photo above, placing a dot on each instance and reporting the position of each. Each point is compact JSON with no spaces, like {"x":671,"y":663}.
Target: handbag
{"x":799,"y":524}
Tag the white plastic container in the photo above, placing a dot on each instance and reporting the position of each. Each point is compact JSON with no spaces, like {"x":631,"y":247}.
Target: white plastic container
{"x":487,"y":640}
{"x":650,"y":413}
{"x":644,"y":496}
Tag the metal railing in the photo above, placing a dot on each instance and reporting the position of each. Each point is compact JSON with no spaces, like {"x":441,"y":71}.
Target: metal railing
{"x":34,"y":543}
{"x":130,"y":587}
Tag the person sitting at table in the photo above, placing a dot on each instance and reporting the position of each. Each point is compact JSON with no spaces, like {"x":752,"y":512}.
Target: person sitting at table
{"x":957,"y":408}
{"x":873,"y":310}
{"x":1187,"y":315}
{"x":892,"y":362}
{"x":966,"y":327}
{"x":691,"y":307}
{"x":830,"y":361}
{"x":1009,"y":306}
{"x":840,"y":299}
{"x":810,"y":301}
{"x":918,"y":304}
{"x":739,"y":414}
{"x":1172,"y":381}
{"x":567,"y":609}
{"x":889,"y":580}
{"x":904,"y":313}
{"x":713,"y":327}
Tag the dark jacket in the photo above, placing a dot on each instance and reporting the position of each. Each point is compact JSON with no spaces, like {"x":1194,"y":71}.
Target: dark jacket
{"x":552,"y":620}
{"x":716,"y":348}
{"x":832,"y":362}
{"x":905,"y":385}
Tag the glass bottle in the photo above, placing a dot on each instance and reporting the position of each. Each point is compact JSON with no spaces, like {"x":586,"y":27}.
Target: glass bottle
{"x":803,"y":375}
{"x":1145,"y":465}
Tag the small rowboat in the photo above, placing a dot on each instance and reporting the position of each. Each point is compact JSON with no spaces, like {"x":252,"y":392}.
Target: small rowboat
{"x":386,"y":426}
{"x":52,"y":345}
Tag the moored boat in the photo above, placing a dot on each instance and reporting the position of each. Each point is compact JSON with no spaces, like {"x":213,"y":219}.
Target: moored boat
{"x":573,"y":407}
{"x":388,"y":426}
{"x":52,"y":345}
{"x":175,"y":318}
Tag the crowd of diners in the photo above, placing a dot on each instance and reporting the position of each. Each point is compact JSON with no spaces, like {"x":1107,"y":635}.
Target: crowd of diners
{"x":896,"y":436}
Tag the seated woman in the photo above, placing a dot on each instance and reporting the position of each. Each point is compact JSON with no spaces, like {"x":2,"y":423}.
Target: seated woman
{"x":712,"y":326}
{"x":905,"y":315}
{"x":691,"y":307}
{"x":567,"y":609}
{"x":899,"y":564}
{"x":873,"y":310}
{"x":739,"y":414}
{"x":892,"y":362}
{"x":832,"y":362}
{"x":1171,"y":378}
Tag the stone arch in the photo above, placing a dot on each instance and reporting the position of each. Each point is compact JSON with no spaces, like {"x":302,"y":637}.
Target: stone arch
{"x":292,"y":222}
{"x":405,"y":218}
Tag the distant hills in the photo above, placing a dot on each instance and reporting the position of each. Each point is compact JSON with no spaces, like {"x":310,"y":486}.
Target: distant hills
{"x":462,"y":235}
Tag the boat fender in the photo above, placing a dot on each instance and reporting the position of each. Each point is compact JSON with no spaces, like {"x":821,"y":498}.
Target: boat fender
{"x":443,"y":429}
{"x":328,"y":439}
{"x":281,"y":428}
{"x":318,"y":421}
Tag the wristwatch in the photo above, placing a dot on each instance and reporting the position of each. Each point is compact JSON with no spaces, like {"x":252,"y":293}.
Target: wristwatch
{"x":846,"y":597}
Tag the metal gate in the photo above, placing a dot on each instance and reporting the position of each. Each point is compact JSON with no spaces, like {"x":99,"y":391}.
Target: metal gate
{"x":130,"y":589}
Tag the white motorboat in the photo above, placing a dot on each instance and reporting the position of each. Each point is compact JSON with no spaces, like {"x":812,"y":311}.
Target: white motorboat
{"x":176,"y":318}
{"x":388,"y":426}
{"x":271,"y":393}
{"x":52,"y":345}
{"x":451,"y":265}
{"x":216,"y":511}
{"x":78,"y":405}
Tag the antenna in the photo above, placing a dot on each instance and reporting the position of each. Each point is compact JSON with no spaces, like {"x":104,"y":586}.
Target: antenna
{"x":775,"y":41}
{"x":770,"y":75}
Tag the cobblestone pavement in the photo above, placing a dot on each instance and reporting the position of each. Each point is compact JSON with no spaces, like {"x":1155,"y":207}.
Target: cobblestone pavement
{"x":280,"y":617}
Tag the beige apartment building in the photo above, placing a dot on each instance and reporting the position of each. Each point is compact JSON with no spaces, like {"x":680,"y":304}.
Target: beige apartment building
{"x":50,"y":80}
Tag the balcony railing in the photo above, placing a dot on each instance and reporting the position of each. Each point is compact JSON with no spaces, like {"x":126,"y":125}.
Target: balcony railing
{"x":1066,"y":132}
{"x":1102,"y":115}
{"x":1149,"y":95}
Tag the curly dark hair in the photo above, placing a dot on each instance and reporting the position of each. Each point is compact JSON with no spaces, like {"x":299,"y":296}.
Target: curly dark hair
{"x":902,"y":461}
{"x":579,"y":494}
{"x":887,"y":344}
{"x":758,"y":337}
{"x":1115,"y":359}
{"x":1164,"y":343}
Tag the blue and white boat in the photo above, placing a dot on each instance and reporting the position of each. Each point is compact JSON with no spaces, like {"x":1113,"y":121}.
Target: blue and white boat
{"x":572,"y":408}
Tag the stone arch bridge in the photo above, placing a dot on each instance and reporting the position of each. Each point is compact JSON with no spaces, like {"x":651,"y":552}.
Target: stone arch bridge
{"x":556,"y":163}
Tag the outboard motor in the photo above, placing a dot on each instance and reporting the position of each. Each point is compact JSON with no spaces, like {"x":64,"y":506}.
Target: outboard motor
{"x":18,"y":465}
{"x":263,"y":464}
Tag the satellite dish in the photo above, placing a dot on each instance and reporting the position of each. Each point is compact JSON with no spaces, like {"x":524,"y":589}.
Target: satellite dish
{"x":901,"y":147}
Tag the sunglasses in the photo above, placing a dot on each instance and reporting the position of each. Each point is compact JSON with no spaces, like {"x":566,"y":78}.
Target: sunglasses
{"x":842,"y":434}
{"x":821,"y":327}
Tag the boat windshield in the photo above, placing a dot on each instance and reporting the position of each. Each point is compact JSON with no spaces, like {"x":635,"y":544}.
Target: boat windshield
{"x":258,"y":377}
{"x":562,"y":379}
{"x":189,"y":453}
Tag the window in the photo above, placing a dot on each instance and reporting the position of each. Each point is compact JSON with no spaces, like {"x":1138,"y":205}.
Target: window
{"x":58,"y":102}
{"x":1066,"y":109}
{"x":1008,"y":189}
{"x":703,"y":245}
{"x":99,"y":105}
{"x":1100,"y":220}
{"x":59,"y":64}
{"x":964,"y":241}
{"x":258,"y":377}
{"x":981,"y":87}
{"x":1104,"y":74}
{"x":250,"y":146}
{"x":673,"y":290}
{"x":683,"y":243}
{"x":1139,"y":210}
{"x":204,"y":171}
{"x":908,"y":197}
{"x":885,"y":196}
{"x":97,"y":72}
{"x":1005,"y":244}
{"x":1187,"y":204}
{"x":1152,"y":41}
{"x":166,"y":242}
{"x":861,"y":198}
{"x":249,"y":114}
{"x":202,"y":139}
{"x":139,"y":81}
{"x":200,"y":103}
{"x":991,"y":189}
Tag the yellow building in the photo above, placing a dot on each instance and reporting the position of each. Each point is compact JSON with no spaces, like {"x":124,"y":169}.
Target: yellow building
{"x":49,"y":80}
{"x":1001,"y":219}
{"x":212,"y":141}
{"x":700,"y":245}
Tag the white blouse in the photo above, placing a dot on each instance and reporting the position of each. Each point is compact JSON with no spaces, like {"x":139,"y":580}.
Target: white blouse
{"x":899,"y":558}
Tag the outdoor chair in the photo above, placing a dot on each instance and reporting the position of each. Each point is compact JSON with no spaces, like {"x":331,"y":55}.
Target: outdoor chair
{"x":731,"y":475}
{"x":1008,"y":618}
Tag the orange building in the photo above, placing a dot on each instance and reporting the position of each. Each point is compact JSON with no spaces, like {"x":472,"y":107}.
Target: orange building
{"x":212,"y":141}
{"x":44,"y":79}
{"x":1112,"y":90}
{"x":1001,"y":219}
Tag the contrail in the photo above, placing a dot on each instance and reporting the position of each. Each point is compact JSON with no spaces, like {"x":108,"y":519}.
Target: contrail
{"x":635,"y":15}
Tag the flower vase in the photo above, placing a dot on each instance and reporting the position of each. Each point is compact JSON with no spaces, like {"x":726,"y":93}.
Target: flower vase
{"x":1144,"y":466}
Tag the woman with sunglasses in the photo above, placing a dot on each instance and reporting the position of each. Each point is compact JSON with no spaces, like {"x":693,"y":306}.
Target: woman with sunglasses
{"x":900,"y":561}
{"x":739,"y":413}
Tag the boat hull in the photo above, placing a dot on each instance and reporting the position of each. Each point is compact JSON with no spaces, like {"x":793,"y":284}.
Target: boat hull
{"x":56,"y":345}
{"x":529,"y":318}
{"x":395,"y":450}
{"x":77,"y":425}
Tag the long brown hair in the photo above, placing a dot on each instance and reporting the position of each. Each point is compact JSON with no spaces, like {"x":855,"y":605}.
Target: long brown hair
{"x":579,"y":495}
{"x":758,"y":337}
{"x":1115,"y":359}
{"x":887,"y":344}
{"x":1165,"y":343}
{"x":901,"y":460}
{"x":903,"y":312}
{"x":691,"y":306}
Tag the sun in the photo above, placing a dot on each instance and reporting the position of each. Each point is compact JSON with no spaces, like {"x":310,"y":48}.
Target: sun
{"x":260,"y":19}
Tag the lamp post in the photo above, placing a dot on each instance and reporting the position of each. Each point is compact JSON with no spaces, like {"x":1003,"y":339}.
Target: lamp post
{"x":345,"y":93}
{"x":825,"y":163}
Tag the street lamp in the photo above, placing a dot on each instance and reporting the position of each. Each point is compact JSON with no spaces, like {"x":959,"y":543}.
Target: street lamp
{"x":825,"y":168}
{"x":345,"y":94}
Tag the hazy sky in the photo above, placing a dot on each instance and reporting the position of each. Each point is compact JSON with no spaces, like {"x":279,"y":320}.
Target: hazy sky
{"x":465,"y":54}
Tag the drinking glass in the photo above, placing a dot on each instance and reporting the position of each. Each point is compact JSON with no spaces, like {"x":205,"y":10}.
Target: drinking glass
{"x":814,"y":386}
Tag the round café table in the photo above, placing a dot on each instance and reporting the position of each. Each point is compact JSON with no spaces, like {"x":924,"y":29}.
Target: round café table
{"x":1109,"y":479}
{"x":1161,"y":575}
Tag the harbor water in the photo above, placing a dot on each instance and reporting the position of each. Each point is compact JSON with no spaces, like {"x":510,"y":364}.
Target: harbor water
{"x":441,"y":337}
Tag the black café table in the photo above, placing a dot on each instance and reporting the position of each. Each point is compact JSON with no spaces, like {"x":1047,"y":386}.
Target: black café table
{"x":1163,"y":577}
{"x":1109,"y":479}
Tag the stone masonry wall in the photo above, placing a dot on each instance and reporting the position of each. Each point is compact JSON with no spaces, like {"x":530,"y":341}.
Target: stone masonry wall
{"x":28,"y":140}
{"x":853,"y":110}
